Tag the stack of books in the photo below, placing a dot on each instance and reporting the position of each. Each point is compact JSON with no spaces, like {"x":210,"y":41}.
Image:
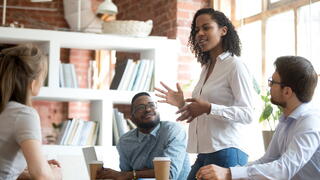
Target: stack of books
{"x":133,"y":75}
{"x":120,"y":125}
{"x":77,"y":132}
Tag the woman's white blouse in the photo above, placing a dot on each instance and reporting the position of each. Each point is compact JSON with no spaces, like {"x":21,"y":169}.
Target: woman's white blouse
{"x":229,"y":89}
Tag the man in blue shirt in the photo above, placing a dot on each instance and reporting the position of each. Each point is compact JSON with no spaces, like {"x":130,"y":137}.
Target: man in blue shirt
{"x":294,"y":151}
{"x":152,"y":138}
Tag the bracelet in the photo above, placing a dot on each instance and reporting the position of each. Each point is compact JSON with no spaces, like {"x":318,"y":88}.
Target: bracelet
{"x":134,"y":174}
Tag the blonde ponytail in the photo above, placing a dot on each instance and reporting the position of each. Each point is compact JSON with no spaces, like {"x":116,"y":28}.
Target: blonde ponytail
{"x":19,"y":65}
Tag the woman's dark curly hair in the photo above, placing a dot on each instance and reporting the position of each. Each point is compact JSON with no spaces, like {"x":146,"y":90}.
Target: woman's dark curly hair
{"x":230,"y":42}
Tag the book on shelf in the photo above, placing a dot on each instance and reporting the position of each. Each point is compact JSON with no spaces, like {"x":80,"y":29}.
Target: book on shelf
{"x":124,"y":123}
{"x":139,"y":75}
{"x":118,"y":118}
{"x":119,"y":70}
{"x":67,"y":132}
{"x":90,"y":74}
{"x":95,"y":134}
{"x":134,"y":75}
{"x":61,"y":76}
{"x":73,"y":129}
{"x":148,"y":80}
{"x":144,"y":76}
{"x":85,"y":132}
{"x":78,"y":133}
{"x":74,"y":76}
{"x":115,"y":133}
{"x":68,"y":76}
{"x":120,"y":125}
{"x":95,"y":75}
{"x":129,"y":76}
{"x":151,"y":88}
{"x":105,"y":66}
{"x":91,"y":137}
{"x":131,"y":124}
{"x":126,"y":75}
{"x":63,"y":129}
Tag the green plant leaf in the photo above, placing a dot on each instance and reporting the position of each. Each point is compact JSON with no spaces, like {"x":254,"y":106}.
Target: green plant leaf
{"x":267,"y":111}
{"x":265,"y":98}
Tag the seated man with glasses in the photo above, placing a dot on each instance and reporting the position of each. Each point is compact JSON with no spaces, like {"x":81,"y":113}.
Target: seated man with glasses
{"x":152,"y":138}
{"x":294,"y":151}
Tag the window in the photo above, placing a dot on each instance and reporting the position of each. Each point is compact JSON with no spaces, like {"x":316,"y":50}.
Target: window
{"x":243,"y":11}
{"x":269,"y":29}
{"x":308,"y":30}
{"x":280,"y":38}
{"x":272,"y":28}
{"x":251,"y":47}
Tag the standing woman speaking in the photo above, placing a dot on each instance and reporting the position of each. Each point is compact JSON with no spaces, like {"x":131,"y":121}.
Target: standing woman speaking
{"x":221,"y":102}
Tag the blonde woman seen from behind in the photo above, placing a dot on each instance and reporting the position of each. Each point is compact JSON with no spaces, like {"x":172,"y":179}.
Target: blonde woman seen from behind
{"x":23,"y":69}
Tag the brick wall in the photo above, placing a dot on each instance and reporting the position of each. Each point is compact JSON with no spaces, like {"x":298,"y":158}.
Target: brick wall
{"x":171,"y":18}
{"x":161,"y":12}
{"x":50,"y":15}
{"x":188,"y":68}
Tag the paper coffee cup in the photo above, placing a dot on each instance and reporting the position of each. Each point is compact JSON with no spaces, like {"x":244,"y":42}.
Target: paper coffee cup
{"x":161,"y":167}
{"x":94,"y":167}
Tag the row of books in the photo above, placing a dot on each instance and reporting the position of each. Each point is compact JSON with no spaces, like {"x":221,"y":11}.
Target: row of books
{"x":101,"y":70}
{"x":120,"y":125}
{"x":68,"y":76}
{"x":133,"y":75}
{"x":78,"y":133}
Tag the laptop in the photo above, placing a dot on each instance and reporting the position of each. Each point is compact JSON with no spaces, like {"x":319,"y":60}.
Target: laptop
{"x":90,"y":155}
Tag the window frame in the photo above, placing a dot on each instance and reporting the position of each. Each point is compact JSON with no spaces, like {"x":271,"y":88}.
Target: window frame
{"x":268,"y":10}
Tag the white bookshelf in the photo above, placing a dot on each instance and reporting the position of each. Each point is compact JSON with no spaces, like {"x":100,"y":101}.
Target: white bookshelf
{"x":163,"y":51}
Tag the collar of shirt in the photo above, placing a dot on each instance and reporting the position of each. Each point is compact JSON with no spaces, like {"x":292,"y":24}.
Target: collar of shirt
{"x":154,"y":133}
{"x":295,"y":114}
{"x":223,"y":56}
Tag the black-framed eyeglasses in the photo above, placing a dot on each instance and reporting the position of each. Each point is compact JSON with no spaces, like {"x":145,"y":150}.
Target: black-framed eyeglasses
{"x":272,"y":82}
{"x":143,"y":107}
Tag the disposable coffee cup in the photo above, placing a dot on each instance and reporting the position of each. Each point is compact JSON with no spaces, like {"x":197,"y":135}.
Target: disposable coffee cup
{"x":94,"y":167}
{"x":161,"y":167}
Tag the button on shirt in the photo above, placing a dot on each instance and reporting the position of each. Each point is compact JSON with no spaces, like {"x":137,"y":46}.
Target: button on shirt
{"x":294,"y":151}
{"x":229,"y":89}
{"x":168,"y":139}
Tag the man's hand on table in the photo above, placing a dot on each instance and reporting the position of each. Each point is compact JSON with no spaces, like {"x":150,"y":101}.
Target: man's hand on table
{"x":213,"y":172}
{"x":107,"y":173}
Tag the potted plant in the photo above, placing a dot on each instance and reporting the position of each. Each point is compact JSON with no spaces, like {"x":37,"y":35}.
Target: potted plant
{"x":270,"y":116}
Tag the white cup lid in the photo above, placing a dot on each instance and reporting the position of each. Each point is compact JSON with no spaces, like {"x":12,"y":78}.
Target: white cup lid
{"x":161,"y":159}
{"x":96,"y":162}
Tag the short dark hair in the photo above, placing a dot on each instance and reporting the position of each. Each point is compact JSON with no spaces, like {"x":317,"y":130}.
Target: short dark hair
{"x":230,"y":42}
{"x":297,"y":73}
{"x":136,"y":97}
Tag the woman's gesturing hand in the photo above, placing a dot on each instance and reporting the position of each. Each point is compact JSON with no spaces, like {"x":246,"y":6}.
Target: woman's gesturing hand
{"x":170,"y":96}
{"x":193,"y":110}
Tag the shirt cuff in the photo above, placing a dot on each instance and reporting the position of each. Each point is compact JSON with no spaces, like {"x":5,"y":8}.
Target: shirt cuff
{"x":239,"y":172}
{"x":215,"y":109}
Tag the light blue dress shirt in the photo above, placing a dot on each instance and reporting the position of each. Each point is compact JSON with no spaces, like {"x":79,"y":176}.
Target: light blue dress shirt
{"x":168,"y":139}
{"x":294,"y":151}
